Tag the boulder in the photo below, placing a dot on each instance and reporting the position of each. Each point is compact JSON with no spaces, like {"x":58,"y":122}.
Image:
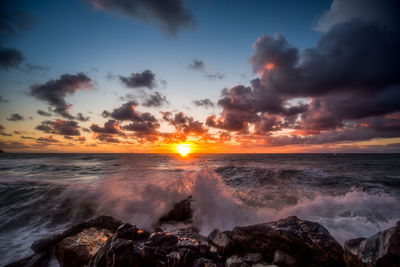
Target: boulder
{"x":220,"y":240}
{"x":235,"y":261}
{"x":307,"y":243}
{"x":381,"y":249}
{"x":181,"y":212}
{"x":79,"y":249}
{"x":252,"y":258}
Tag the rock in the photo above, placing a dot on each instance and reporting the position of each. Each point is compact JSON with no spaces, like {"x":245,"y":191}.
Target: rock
{"x":202,"y":262}
{"x":381,"y":249}
{"x":235,"y":261}
{"x":264,"y":265}
{"x":117,"y":252}
{"x":102,"y":222}
{"x":308,"y":243}
{"x":181,"y":212}
{"x":44,"y":248}
{"x":220,"y":240}
{"x":281,"y":258}
{"x":131,"y":232}
{"x":252,"y":258}
{"x":79,"y":249}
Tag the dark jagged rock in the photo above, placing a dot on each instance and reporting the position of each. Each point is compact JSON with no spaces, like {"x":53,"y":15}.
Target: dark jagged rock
{"x":221,"y":241}
{"x":307,"y":243}
{"x":45,"y":248}
{"x":181,"y":212}
{"x":102,"y":222}
{"x":79,"y":249}
{"x":284,"y":243}
{"x":381,"y":249}
{"x":131,"y":232}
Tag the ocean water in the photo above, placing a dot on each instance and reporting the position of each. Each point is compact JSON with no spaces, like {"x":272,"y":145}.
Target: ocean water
{"x":352,"y":195}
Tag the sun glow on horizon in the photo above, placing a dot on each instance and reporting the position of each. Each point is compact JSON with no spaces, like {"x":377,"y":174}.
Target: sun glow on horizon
{"x":183,"y":149}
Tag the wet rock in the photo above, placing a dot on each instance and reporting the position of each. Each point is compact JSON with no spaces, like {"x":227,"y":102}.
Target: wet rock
{"x":281,"y":258}
{"x":131,"y":232}
{"x":235,"y":261}
{"x":202,"y":262}
{"x":102,"y":222}
{"x":252,"y":258}
{"x":381,"y":249}
{"x":181,"y":212}
{"x":308,"y":243}
{"x":79,"y":249}
{"x":220,"y":240}
{"x":118,"y":252}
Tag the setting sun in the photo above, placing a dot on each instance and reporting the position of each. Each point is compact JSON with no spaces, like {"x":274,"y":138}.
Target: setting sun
{"x":183,"y":149}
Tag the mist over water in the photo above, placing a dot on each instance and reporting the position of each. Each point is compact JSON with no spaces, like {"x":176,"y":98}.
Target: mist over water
{"x":41,"y":194}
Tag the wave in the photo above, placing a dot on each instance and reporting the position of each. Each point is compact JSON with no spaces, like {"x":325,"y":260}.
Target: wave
{"x":32,"y":210}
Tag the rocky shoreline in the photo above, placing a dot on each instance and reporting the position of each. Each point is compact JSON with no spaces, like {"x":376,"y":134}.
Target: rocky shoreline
{"x":105,"y":241}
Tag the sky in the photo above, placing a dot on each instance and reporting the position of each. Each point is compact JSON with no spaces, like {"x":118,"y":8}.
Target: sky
{"x":228,"y":76}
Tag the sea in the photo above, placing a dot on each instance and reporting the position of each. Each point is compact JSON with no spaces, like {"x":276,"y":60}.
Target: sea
{"x":352,"y":195}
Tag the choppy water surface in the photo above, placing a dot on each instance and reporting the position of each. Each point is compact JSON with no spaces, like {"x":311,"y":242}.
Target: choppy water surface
{"x":40,"y":194}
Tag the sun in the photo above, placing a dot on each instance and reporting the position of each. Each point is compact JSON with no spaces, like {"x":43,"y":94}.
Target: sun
{"x":183,"y":149}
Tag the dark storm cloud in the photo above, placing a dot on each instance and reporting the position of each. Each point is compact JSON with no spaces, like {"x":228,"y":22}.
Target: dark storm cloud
{"x":61,"y":127}
{"x":81,"y":117}
{"x":155,"y":100}
{"x":384,"y":12}
{"x":137,"y":80}
{"x":171,"y":15}
{"x":54,"y":91}
{"x":207,"y":103}
{"x":15,"y":117}
{"x":197,"y":65}
{"x":10,"y":58}
{"x":43,"y":113}
{"x":349,"y":77}
{"x":184,"y":123}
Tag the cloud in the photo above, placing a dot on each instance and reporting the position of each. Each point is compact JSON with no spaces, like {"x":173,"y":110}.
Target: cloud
{"x":10,"y":58}
{"x":349,"y":78}
{"x":207,"y":103}
{"x":13,"y":22}
{"x":171,"y":16}
{"x":43,"y":113}
{"x":197,"y":65}
{"x":215,"y":76}
{"x":110,"y":127}
{"x":3,"y":100}
{"x":54,"y":91}
{"x":126,"y":112}
{"x":15,"y":117}
{"x":61,"y":127}
{"x":155,"y":100}
{"x":385,"y":12}
{"x":184,"y":123}
{"x":137,"y":80}
{"x":81,"y":117}
{"x":48,"y":139}
{"x":29,"y":68}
